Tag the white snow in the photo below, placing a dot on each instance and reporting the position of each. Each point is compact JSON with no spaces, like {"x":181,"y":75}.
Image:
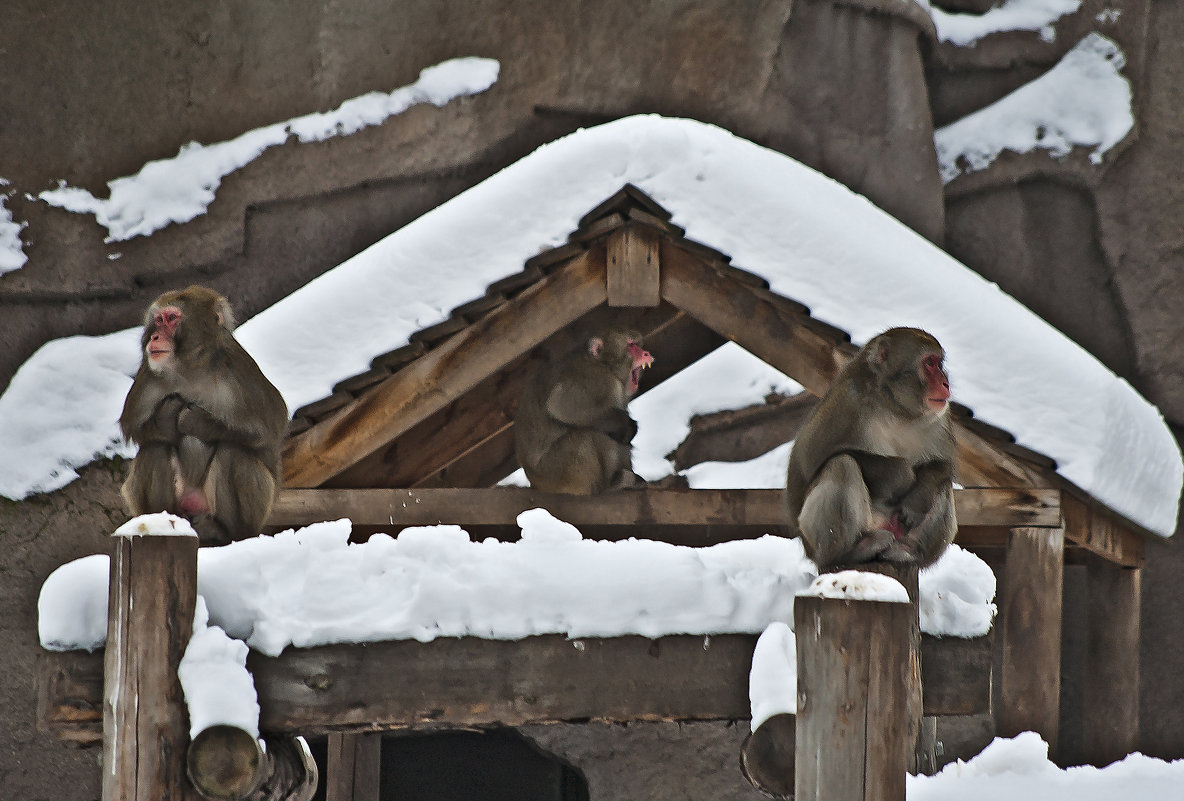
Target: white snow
{"x":773,"y":679}
{"x":814,"y":240}
{"x":312,"y":587}
{"x":1083,"y":101}
{"x":157,"y":524}
{"x":12,"y":250}
{"x":219,"y":690}
{"x":1019,"y":768}
{"x":857,"y":585}
{"x":178,"y":189}
{"x":1011,"y":15}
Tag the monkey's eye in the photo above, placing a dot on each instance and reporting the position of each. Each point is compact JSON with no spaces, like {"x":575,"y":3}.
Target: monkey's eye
{"x":931,"y":362}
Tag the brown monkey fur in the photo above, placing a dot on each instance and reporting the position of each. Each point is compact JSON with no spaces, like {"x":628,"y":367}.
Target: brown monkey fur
{"x":871,"y":473}
{"x":571,"y":431}
{"x":208,"y":423}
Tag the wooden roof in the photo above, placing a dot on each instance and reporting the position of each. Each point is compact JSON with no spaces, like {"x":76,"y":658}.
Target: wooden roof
{"x":438,"y":412}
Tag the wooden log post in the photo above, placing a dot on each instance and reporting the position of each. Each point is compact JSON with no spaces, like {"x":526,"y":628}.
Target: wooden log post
{"x":853,"y":716}
{"x":152,"y":593}
{"x":1111,"y":714}
{"x":1030,"y":627}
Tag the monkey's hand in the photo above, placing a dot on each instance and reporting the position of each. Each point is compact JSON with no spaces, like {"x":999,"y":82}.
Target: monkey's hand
{"x":196,"y":422}
{"x":933,"y":480}
{"x":618,"y":425}
{"x":162,"y":425}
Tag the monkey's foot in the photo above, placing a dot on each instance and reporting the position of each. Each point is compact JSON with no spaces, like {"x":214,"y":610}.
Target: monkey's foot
{"x":870,"y":546}
{"x":900,"y":553}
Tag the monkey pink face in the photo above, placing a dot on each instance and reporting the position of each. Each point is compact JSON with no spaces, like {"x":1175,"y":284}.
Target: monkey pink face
{"x":162,"y":342}
{"x":937,"y":383}
{"x":641,"y":360}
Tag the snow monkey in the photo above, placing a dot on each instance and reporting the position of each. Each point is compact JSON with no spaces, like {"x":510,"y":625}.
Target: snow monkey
{"x":208,"y":422}
{"x":870,"y":475}
{"x":571,"y":432}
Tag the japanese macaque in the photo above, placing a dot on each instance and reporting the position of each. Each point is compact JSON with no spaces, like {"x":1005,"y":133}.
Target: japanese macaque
{"x":572,"y":432}
{"x":871,"y":473}
{"x":208,"y":422}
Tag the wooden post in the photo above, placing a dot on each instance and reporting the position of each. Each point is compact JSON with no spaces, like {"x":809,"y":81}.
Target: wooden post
{"x":632,"y":267}
{"x":1111,"y":713}
{"x":853,"y":692}
{"x":353,"y":767}
{"x":1030,"y":623}
{"x":152,"y":593}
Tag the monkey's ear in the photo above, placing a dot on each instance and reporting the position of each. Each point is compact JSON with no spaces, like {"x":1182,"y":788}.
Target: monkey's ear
{"x":224,"y":314}
{"x":595,"y":345}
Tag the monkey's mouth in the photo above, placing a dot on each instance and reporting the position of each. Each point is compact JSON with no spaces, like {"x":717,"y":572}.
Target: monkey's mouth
{"x":635,"y":374}
{"x":156,"y":354}
{"x":937,"y":404}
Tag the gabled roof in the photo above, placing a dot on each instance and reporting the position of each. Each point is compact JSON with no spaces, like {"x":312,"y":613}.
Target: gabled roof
{"x":438,"y":411}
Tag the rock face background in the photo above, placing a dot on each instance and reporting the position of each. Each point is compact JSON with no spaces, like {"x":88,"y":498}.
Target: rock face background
{"x":851,"y":87}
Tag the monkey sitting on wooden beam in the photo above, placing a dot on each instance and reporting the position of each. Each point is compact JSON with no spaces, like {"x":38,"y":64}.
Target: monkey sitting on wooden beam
{"x":571,"y":431}
{"x":871,"y":473}
{"x":208,"y":422}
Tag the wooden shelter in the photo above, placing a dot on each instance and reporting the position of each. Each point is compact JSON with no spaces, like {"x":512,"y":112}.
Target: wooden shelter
{"x":424,"y":436}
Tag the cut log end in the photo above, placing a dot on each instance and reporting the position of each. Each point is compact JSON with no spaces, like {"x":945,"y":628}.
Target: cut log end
{"x":767,"y":755}
{"x":226,"y":763}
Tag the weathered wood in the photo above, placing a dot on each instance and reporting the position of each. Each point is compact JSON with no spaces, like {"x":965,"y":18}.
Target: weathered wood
{"x":766,"y":329}
{"x":649,"y":506}
{"x":981,"y":463}
{"x":1030,"y":626}
{"x":952,"y":674}
{"x":353,"y":767}
{"x":151,"y":601}
{"x":387,"y":685}
{"x":1111,"y":697}
{"x":1089,"y":527}
{"x":226,"y":762}
{"x":853,"y":740}
{"x":633,"y":267}
{"x":444,"y":373}
{"x":767,"y":756}
{"x":737,"y":435}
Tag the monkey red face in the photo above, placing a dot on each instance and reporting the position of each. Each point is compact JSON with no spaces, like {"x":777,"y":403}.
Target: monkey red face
{"x":641,"y":360}
{"x":937,"y":393}
{"x":162,"y":340}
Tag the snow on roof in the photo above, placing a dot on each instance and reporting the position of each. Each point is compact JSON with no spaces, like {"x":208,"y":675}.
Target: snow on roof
{"x":1011,"y":15}
{"x":814,"y":240}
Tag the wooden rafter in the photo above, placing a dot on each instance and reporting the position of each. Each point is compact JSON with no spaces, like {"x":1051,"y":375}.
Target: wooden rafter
{"x":446,"y":372}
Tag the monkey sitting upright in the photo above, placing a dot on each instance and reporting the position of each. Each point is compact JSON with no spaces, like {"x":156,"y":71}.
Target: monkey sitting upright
{"x":208,"y":422}
{"x":571,"y":431}
{"x":871,"y":473}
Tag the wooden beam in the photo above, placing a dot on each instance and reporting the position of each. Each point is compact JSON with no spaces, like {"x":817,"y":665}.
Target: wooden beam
{"x":983,"y":464}
{"x":1030,"y":622}
{"x":1089,"y":527}
{"x":649,"y":506}
{"x":442,"y":375}
{"x":468,"y":681}
{"x":632,"y":267}
{"x":776,"y":333}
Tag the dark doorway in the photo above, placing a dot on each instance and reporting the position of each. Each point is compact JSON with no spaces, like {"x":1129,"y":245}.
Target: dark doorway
{"x":492,"y":765}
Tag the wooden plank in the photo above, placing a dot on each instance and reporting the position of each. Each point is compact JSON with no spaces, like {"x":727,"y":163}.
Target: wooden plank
{"x":353,"y":767}
{"x":407,"y":683}
{"x":766,"y":329}
{"x":633,"y":267}
{"x":1111,"y":698}
{"x":984,"y":464}
{"x":443,"y":374}
{"x":1089,"y":527}
{"x":1030,"y":622}
{"x":852,"y":740}
{"x":151,"y":600}
{"x":648,"y":506}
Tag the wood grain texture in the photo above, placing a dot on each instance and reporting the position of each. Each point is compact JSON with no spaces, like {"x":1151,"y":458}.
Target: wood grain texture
{"x":633,"y":267}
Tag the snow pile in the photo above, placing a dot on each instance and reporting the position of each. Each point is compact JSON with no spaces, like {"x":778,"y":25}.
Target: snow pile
{"x":817,"y":242}
{"x":178,"y":189}
{"x":218,"y":687}
{"x":955,"y":595}
{"x":857,"y":585}
{"x":1082,"y":101}
{"x":312,"y":587}
{"x":1019,"y":768}
{"x":773,"y":679}
{"x":1011,"y":15}
{"x":12,"y":251}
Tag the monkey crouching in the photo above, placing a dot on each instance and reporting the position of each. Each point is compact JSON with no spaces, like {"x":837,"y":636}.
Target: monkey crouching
{"x":871,"y":473}
{"x":572,"y":430}
{"x":208,"y":423}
